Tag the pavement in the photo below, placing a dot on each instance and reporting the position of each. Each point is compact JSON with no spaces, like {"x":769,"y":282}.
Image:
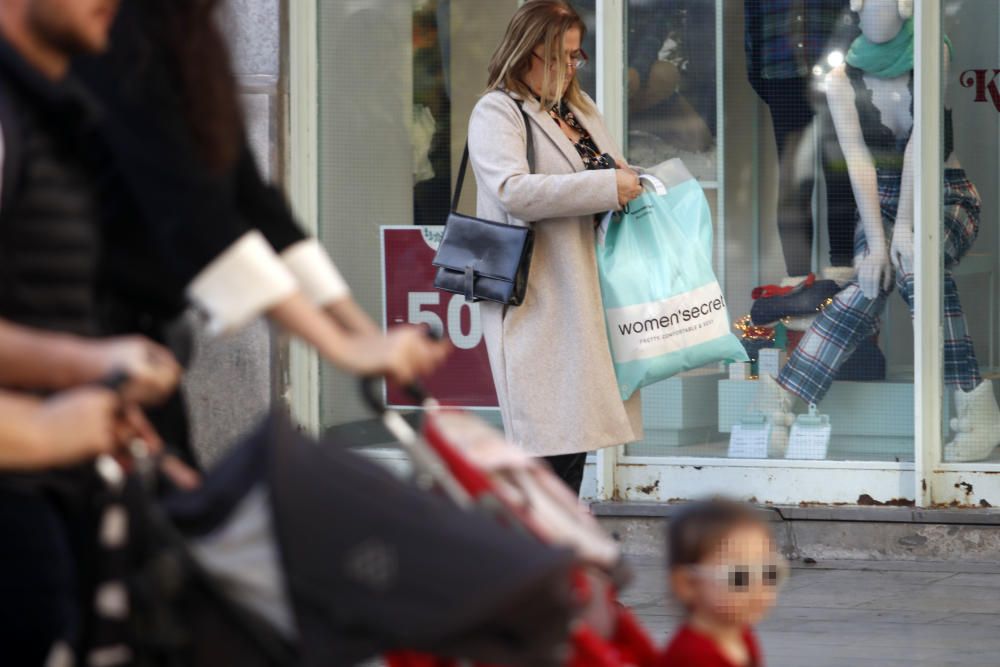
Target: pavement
{"x":862,"y":613}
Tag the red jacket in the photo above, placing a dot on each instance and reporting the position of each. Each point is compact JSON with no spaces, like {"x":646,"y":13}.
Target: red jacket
{"x":690,"y":648}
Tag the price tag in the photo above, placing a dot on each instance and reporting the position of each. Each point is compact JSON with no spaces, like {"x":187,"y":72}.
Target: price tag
{"x":810,"y":436}
{"x":749,"y":438}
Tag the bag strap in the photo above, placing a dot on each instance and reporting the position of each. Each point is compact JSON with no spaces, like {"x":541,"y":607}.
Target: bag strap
{"x":10,"y":147}
{"x":465,"y":160}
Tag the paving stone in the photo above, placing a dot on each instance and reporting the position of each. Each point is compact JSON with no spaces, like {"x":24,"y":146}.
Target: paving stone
{"x":977,"y":580}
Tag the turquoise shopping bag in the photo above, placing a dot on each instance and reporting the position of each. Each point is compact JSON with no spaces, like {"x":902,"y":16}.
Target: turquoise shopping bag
{"x":664,"y":307}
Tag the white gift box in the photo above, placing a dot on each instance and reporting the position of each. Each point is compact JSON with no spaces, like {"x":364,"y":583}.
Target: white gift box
{"x":770,"y":361}
{"x":739,"y":370}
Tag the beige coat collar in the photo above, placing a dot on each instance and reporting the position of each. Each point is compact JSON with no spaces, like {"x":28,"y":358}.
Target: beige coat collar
{"x":542,"y":118}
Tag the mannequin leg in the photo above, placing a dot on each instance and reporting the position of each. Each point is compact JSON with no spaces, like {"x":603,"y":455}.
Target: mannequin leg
{"x":830,"y":341}
{"x":977,"y":414}
{"x":791,"y":113}
{"x":812,"y":368}
{"x":841,"y":209}
{"x":961,"y":368}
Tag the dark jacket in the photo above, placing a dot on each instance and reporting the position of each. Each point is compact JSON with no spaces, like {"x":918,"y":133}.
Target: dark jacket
{"x":50,"y":246}
{"x":50,"y":215}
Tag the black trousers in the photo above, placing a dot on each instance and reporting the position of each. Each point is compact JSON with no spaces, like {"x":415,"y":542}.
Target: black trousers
{"x":38,"y":580}
{"x":569,"y":468}
{"x":792,"y":110}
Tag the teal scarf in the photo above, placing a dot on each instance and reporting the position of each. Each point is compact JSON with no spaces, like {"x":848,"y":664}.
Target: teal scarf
{"x":889,"y":60}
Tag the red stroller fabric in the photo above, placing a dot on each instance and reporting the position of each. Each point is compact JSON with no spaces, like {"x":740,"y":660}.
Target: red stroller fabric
{"x":500,"y":480}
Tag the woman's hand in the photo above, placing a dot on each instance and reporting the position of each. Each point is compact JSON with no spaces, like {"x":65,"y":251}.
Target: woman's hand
{"x":402,"y":355}
{"x":629,"y":186}
{"x":152,"y":371}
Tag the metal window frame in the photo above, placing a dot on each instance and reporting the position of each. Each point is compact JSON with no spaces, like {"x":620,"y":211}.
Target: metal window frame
{"x":928,"y":335}
{"x":302,"y":160}
{"x":611,"y":28}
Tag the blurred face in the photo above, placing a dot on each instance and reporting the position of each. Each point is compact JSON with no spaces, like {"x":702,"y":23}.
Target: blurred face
{"x":72,"y":26}
{"x":572,"y":55}
{"x":737,"y":584}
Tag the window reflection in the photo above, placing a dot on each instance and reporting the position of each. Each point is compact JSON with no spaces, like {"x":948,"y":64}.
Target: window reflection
{"x":431,"y":131}
{"x":672,"y":82}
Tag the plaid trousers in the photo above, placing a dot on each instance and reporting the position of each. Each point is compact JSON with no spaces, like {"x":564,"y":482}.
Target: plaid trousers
{"x":852,"y":317}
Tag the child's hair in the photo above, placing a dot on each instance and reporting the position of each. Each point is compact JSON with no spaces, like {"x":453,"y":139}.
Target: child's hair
{"x":700,"y":528}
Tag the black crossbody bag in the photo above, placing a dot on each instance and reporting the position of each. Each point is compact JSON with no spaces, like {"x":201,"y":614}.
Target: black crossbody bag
{"x":484,"y":260}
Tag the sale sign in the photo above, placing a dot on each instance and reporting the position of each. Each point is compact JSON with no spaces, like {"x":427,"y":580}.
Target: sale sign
{"x":465,"y":379}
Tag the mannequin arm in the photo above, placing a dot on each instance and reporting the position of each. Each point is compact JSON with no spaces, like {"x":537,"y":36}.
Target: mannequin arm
{"x":902,"y":231}
{"x":874,"y":271}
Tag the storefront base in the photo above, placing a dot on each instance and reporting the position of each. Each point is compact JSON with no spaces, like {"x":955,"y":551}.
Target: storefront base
{"x":792,"y":482}
{"x":834,"y":533}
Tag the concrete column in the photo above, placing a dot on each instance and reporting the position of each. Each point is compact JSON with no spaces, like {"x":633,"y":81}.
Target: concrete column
{"x":233,"y":380}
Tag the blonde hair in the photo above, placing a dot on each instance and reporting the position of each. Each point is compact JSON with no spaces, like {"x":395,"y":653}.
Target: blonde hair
{"x":538,"y":23}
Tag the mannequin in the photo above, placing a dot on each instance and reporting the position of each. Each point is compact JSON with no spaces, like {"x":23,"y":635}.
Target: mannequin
{"x":871,"y":102}
{"x":784,"y":41}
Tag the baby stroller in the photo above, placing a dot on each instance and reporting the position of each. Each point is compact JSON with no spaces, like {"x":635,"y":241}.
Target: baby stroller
{"x":301,"y":553}
{"x":481,"y":472}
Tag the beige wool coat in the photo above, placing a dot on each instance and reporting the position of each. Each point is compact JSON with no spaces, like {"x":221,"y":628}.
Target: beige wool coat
{"x":550,"y":356}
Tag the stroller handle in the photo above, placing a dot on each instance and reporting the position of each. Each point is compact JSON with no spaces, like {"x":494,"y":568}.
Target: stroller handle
{"x":373,"y":397}
{"x":114,"y":381}
{"x":371,"y":392}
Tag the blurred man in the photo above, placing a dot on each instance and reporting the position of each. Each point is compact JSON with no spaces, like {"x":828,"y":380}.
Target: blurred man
{"x":49,"y":252}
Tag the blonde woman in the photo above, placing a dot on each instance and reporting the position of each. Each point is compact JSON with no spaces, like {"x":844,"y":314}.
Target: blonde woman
{"x":550,"y":357}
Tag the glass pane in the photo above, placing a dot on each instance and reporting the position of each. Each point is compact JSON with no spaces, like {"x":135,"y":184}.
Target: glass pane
{"x":398,"y":80}
{"x":671,"y":81}
{"x":588,"y":75}
{"x":971,"y":178}
{"x":832,"y":376}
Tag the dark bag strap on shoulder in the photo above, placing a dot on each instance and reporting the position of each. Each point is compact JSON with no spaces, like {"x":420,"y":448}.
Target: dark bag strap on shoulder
{"x":465,"y":160}
{"x":10,"y":143}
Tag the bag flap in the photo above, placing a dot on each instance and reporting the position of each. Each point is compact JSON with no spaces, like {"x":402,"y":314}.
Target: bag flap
{"x":494,"y":249}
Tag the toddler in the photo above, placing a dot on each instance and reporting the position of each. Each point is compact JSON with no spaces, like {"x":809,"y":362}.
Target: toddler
{"x":725,"y":570}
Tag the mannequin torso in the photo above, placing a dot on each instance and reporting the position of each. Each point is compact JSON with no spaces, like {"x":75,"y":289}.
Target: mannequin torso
{"x":894,"y":100}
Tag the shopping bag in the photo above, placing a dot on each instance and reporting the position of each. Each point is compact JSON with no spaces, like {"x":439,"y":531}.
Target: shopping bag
{"x":664,"y":308}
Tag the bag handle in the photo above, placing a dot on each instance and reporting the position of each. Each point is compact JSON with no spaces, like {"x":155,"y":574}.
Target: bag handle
{"x":655,"y":183}
{"x":460,"y":181}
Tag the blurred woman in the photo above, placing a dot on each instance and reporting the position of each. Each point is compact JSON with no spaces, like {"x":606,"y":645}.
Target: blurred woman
{"x":196,"y":223}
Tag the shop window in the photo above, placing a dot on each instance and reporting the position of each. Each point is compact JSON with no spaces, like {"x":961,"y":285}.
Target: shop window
{"x":397,"y":80}
{"x":744,"y":98}
{"x":969,"y":236}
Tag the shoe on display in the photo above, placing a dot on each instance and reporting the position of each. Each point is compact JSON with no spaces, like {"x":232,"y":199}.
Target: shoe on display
{"x":793,"y":281}
{"x":976,"y":425}
{"x":840,"y":274}
{"x":775,"y":403}
{"x":772,"y":303}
